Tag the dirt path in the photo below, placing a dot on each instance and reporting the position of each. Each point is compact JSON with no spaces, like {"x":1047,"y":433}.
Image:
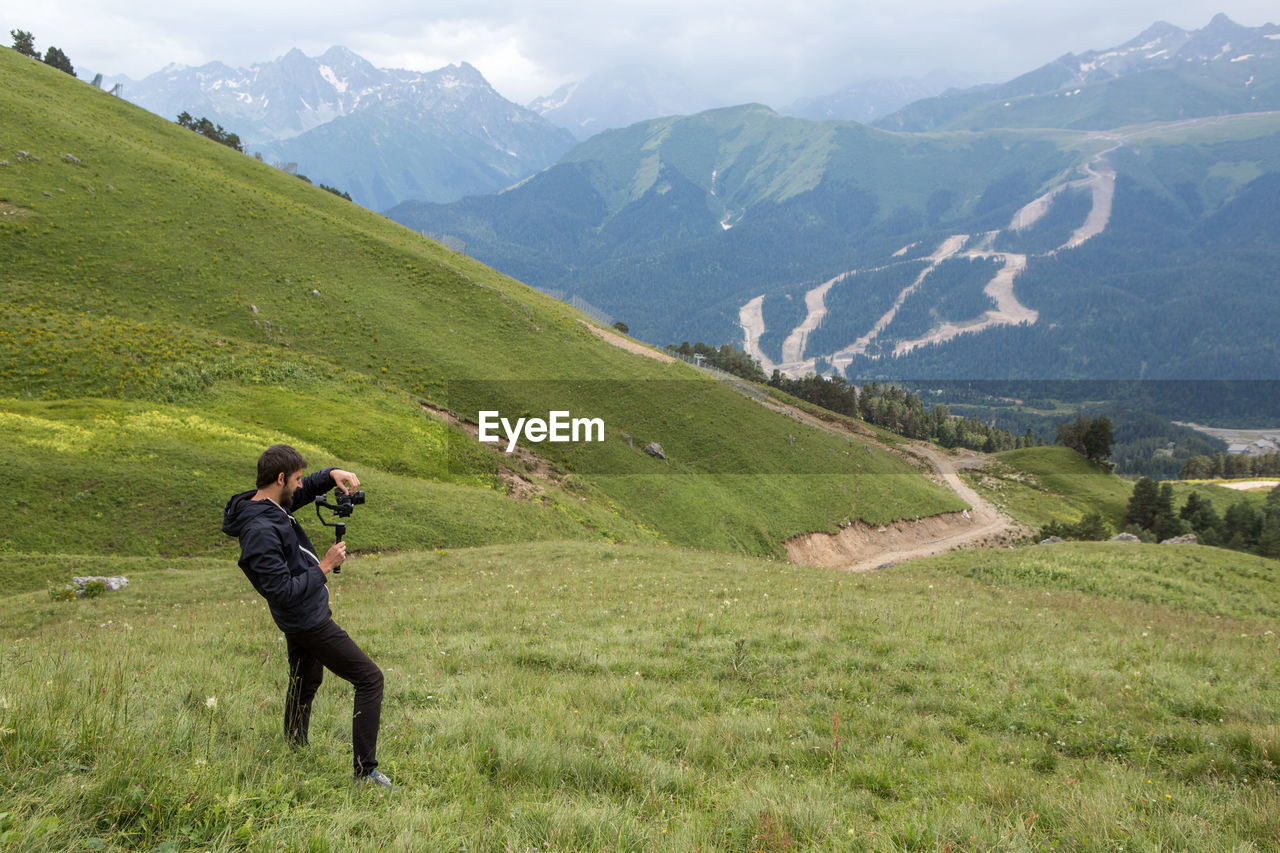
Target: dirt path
{"x":863,"y":547}
{"x":860,"y":547}
{"x":627,"y":344}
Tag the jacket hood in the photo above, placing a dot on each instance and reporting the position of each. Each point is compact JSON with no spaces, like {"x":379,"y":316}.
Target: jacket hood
{"x":241,"y":509}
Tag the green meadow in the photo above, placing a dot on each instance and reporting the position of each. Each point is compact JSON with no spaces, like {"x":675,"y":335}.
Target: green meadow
{"x":578,"y":696}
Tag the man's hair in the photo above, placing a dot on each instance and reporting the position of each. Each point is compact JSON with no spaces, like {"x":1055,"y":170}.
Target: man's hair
{"x":276,"y":460}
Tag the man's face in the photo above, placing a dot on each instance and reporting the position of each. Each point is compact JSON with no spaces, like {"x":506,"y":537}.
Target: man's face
{"x":291,"y":484}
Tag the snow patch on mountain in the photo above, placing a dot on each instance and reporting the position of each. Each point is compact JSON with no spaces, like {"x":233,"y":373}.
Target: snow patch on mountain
{"x":337,"y":83}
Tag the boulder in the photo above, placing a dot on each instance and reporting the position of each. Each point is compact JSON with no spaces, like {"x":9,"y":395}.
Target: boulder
{"x":112,"y":583}
{"x":654,"y":449}
{"x":1188,"y":539}
{"x":1051,"y":540}
{"x":1125,"y":537}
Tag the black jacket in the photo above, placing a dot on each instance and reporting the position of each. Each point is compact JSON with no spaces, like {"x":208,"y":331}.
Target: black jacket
{"x":277,"y":556}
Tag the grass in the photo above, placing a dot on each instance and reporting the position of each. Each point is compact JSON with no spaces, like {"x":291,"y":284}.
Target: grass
{"x":154,"y":270}
{"x":580,"y":696}
{"x":1037,"y":485}
{"x":112,"y":477}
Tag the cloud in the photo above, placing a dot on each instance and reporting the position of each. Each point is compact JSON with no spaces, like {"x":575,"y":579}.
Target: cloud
{"x":743,"y":49}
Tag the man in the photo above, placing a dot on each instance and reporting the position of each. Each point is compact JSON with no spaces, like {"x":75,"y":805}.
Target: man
{"x":281,"y":563}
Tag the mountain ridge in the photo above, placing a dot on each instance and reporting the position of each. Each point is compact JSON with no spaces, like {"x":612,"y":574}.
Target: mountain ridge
{"x":383,"y":135}
{"x":1223,"y":67}
{"x":675,"y":225}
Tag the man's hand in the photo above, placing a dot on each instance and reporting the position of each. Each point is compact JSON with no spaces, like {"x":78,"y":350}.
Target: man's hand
{"x":334,"y":558}
{"x":345,"y":480}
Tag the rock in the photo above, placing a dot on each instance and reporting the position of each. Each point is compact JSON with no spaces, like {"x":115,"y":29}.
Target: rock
{"x":1052,"y":540}
{"x":73,"y":158}
{"x":1188,"y":539}
{"x":629,"y":440}
{"x":112,"y":583}
{"x":253,"y":308}
{"x":1125,"y":537}
{"x":315,"y":293}
{"x":654,"y":449}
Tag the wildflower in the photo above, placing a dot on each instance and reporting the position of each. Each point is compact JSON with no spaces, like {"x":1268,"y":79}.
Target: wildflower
{"x":211,"y":703}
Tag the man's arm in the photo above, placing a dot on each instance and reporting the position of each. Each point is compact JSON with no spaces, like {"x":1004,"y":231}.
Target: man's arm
{"x":263,"y":553}
{"x":320,"y":483}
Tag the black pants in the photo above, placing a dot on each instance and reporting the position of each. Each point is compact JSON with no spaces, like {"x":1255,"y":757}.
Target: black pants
{"x":328,"y":647}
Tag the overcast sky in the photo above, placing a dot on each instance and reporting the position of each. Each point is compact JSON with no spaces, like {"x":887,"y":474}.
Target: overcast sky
{"x":743,"y":50}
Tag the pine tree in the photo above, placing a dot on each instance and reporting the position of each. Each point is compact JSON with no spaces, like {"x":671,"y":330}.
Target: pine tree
{"x":1269,"y":538}
{"x":1143,"y":504}
{"x":24,"y":43}
{"x":57,"y":59}
{"x":1097,"y":440}
{"x":1165,"y":524}
{"x":1241,"y":526}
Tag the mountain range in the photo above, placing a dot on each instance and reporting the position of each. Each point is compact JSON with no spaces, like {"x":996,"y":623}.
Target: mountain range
{"x":1123,"y":235}
{"x":1164,"y":74}
{"x":384,"y":136}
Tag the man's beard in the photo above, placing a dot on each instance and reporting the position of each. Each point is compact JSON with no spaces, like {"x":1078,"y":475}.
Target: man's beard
{"x":286,"y":497}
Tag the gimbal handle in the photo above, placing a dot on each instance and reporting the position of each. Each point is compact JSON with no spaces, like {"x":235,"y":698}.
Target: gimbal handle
{"x":339,"y":527}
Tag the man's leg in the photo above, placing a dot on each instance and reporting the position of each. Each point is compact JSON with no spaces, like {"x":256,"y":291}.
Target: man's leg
{"x":305,"y":674}
{"x":333,"y":648}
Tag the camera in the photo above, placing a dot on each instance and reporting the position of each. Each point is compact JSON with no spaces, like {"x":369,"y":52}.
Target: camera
{"x":344,"y":506}
{"x":347,"y":502}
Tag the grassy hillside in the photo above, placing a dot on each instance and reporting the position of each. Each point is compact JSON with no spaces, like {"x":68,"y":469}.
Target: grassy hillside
{"x":575,"y":696}
{"x":171,"y":305}
{"x":1038,"y":485}
{"x":1042,"y":484}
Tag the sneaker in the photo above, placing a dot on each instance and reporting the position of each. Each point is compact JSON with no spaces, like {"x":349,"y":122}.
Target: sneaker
{"x":375,"y":777}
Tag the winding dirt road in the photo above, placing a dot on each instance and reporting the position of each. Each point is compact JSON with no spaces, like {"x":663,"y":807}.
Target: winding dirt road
{"x":863,"y":547}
